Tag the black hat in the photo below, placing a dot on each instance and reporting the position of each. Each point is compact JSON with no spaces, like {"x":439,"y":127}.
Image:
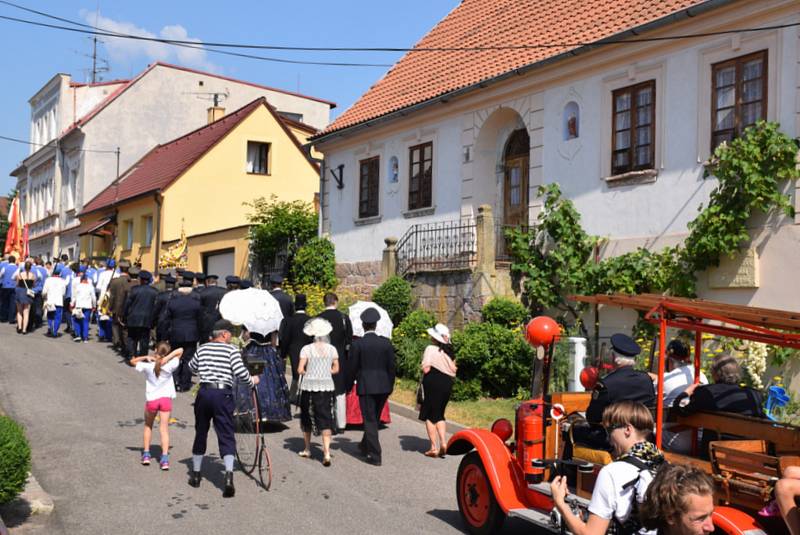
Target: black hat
{"x":275,"y":279}
{"x":677,"y":349}
{"x":370,"y":315}
{"x":169,"y":279}
{"x":212,"y":276}
{"x":232,"y":279}
{"x":223,"y":325}
{"x":245,"y":284}
{"x":300,"y":302}
{"x":188,"y":275}
{"x":624,"y":345}
{"x":180,"y":271}
{"x":200,"y":276}
{"x":134,"y":271}
{"x":145,"y":275}
{"x":185,"y":283}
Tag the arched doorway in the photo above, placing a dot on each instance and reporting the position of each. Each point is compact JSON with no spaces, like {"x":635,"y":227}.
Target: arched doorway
{"x":515,"y":184}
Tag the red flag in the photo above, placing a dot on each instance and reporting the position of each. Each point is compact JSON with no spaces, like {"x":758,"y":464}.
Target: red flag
{"x":14,"y":236}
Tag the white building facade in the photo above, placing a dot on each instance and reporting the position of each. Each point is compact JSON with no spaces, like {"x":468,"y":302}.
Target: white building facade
{"x":83,"y":135}
{"x":624,"y":130}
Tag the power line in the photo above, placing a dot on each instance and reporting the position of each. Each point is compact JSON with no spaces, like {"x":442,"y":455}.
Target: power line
{"x":32,"y":144}
{"x":196,"y":45}
{"x":201,"y":44}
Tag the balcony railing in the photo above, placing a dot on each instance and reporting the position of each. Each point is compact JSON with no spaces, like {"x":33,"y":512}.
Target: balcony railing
{"x":444,"y":245}
{"x":502,"y":251}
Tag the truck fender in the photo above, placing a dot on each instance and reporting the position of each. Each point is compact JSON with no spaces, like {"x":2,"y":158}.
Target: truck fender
{"x":735,"y":522}
{"x":507,"y":480}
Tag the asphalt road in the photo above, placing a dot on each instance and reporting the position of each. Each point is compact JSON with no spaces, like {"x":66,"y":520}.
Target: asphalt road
{"x":82,"y":408}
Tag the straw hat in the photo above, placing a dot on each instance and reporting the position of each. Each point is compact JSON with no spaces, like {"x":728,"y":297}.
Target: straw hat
{"x":317,"y":327}
{"x":440,"y":333}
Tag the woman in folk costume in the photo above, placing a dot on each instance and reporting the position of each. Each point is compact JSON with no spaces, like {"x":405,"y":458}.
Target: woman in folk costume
{"x":273,"y":391}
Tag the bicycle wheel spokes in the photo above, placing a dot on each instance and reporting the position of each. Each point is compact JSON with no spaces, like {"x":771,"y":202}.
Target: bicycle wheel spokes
{"x":247,"y":439}
{"x":264,"y":465}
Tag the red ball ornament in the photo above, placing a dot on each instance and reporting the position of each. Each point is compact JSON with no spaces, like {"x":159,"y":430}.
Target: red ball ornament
{"x":542,"y":331}
{"x":589,"y":377}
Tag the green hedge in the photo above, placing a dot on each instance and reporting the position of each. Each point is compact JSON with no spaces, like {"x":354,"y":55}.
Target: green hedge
{"x":394,"y":295}
{"x":15,"y":459}
{"x":315,"y":263}
{"x":410,"y":339}
{"x":505,"y":312}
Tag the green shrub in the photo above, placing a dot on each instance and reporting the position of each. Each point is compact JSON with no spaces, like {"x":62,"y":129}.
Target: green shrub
{"x":15,"y":459}
{"x":466,"y":390}
{"x":494,"y":355}
{"x":315,"y":263}
{"x":395,"y":296}
{"x":410,"y":339}
{"x":506,"y":312}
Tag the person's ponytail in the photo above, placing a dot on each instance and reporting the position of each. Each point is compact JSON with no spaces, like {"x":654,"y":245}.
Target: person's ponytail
{"x":162,"y":350}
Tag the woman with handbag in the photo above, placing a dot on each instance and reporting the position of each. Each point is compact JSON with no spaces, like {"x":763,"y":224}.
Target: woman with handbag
{"x":438,"y":375}
{"x":26,"y":278}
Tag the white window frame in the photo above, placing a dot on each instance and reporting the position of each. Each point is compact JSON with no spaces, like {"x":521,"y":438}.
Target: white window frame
{"x":128,"y":234}
{"x":148,"y":231}
{"x":268,"y":163}
{"x":404,"y":162}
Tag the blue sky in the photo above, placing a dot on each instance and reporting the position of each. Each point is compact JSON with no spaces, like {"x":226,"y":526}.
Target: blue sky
{"x":33,"y":55}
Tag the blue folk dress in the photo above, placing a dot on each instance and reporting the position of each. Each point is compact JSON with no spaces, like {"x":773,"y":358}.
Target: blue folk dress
{"x":273,"y":392}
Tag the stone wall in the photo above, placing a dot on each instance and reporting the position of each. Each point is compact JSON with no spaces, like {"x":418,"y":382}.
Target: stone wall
{"x":359,"y":278}
{"x":454,"y":297}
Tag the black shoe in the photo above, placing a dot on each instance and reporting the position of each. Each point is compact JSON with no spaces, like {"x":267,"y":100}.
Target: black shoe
{"x":229,"y":491}
{"x":194,"y":479}
{"x":374,"y":461}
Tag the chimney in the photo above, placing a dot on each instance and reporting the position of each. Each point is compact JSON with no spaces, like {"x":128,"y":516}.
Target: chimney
{"x":215,"y":113}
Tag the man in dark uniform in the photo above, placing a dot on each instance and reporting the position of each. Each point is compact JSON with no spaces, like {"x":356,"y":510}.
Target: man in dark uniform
{"x":341,"y":336}
{"x":624,"y":383}
{"x":199,"y":283}
{"x":210,"y":299}
{"x":291,"y":335}
{"x":216,"y":364}
{"x":159,"y":282}
{"x":232,"y":282}
{"x":139,"y":319}
{"x":724,"y":395}
{"x":160,"y":308}
{"x":183,"y":316}
{"x":283,"y":299}
{"x":118,"y":290}
{"x":244,"y":284}
{"x":373,"y":366}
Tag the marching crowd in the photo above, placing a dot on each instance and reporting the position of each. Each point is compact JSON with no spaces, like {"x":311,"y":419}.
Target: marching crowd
{"x":178,"y":313}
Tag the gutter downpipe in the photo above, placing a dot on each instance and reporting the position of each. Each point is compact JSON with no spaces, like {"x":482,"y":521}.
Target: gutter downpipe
{"x":159,"y":202}
{"x":686,"y":13}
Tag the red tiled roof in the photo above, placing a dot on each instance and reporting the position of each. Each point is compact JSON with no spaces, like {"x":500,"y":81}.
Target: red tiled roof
{"x":98,"y":84}
{"x":419,"y":76}
{"x":164,"y":163}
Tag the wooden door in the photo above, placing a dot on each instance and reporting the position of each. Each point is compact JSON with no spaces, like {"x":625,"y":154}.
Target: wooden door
{"x":515,"y":192}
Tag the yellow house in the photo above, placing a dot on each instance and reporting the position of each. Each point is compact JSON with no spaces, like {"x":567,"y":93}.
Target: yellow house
{"x":196,"y":186}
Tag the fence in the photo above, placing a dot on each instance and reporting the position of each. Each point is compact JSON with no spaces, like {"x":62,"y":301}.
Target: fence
{"x":438,"y":246}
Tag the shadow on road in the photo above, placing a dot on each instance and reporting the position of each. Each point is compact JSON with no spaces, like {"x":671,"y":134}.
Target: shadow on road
{"x":212,"y":471}
{"x":414,"y":443}
{"x":451,"y":518}
{"x":15,"y":512}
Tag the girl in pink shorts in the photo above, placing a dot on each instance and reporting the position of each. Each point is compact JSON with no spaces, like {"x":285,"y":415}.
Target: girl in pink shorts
{"x":159,"y":393}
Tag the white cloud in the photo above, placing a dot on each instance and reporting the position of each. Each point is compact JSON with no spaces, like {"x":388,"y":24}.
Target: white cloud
{"x":122,"y":50}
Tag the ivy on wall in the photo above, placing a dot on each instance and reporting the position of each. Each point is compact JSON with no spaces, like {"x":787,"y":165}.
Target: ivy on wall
{"x":557,"y":258}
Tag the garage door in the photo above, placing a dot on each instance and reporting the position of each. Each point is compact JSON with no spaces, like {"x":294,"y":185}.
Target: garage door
{"x":220,"y":264}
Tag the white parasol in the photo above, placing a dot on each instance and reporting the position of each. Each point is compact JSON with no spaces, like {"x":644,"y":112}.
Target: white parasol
{"x":256,"y":309}
{"x":384,"y":327}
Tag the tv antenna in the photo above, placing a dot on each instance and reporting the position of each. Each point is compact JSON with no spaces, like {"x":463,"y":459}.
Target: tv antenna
{"x":99,"y":65}
{"x":215,"y":96}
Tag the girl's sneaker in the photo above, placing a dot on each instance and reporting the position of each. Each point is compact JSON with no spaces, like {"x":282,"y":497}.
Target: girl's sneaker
{"x":770,"y":510}
{"x":164,"y":462}
{"x":146,"y":458}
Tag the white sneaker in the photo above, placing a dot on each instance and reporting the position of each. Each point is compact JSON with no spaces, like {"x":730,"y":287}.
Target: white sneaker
{"x":76,"y":339}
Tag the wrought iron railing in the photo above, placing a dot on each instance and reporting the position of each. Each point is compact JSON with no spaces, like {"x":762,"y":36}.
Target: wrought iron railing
{"x":502,"y":250}
{"x":443,"y":245}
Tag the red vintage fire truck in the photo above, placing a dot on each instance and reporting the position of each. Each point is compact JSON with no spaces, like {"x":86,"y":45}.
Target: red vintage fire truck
{"x":506,"y":469}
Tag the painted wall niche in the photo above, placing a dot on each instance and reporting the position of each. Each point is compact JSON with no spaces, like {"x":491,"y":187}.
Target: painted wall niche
{"x":571,"y":122}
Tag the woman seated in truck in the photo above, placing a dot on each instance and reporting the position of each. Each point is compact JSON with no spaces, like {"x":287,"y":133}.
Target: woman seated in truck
{"x":620,"y":486}
{"x":724,"y":395}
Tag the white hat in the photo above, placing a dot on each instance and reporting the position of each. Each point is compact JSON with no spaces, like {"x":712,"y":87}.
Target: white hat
{"x":440,"y":333}
{"x":317,"y":327}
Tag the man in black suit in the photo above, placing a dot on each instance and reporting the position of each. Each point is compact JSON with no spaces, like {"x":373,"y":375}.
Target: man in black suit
{"x":724,"y":395}
{"x":139,"y":308}
{"x":184,"y":314}
{"x":291,"y":335}
{"x":373,"y":366}
{"x":209,"y":299}
{"x":282,"y":297}
{"x":160,"y":308}
{"x":341,"y":336}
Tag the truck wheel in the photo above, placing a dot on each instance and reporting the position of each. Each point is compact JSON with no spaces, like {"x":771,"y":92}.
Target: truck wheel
{"x":476,"y":502}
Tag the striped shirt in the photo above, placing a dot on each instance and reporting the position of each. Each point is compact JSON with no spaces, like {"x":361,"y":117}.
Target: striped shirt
{"x":217,"y":362}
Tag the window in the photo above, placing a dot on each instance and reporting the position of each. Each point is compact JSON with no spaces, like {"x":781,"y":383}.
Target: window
{"x":257,"y":158}
{"x":147,"y":224}
{"x":128,"y":234}
{"x":368,"y":187}
{"x":738,"y":96}
{"x":634,"y":128}
{"x":420,"y":184}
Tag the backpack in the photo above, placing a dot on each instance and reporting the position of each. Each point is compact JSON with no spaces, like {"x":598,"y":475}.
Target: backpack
{"x":633,"y":524}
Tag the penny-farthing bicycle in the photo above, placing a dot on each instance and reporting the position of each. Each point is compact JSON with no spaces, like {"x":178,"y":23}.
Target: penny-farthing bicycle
{"x":252,"y":453}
